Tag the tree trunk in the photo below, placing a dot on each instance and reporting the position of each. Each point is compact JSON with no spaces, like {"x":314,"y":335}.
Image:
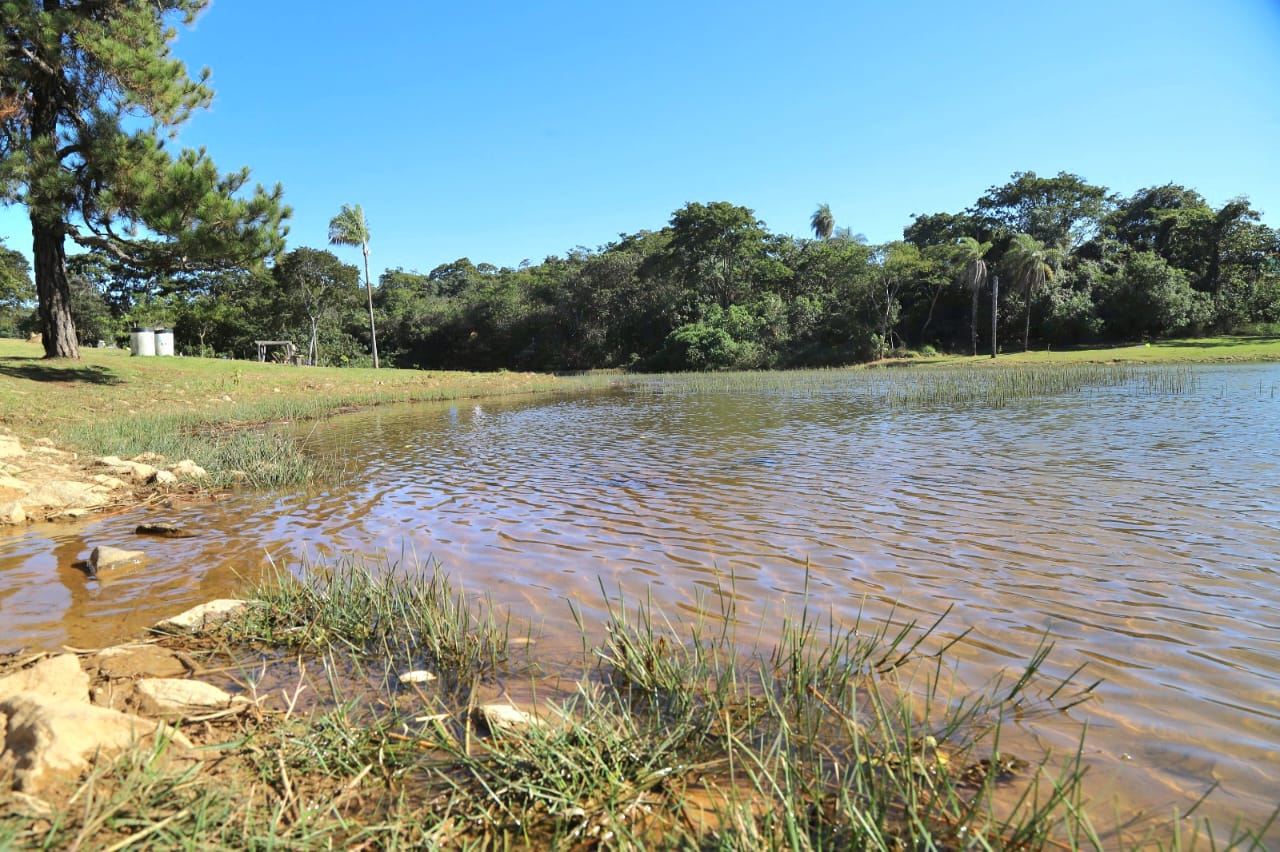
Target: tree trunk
{"x":313,"y":346}
{"x":52,"y":291}
{"x":368,"y":286}
{"x":48,"y":218}
{"x":933,"y":303}
{"x":973,"y":322}
{"x":995,"y":298}
{"x":1026,"y":329}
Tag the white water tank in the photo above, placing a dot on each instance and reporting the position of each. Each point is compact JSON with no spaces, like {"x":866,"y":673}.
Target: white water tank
{"x":142,"y":341}
{"x":164,"y":341}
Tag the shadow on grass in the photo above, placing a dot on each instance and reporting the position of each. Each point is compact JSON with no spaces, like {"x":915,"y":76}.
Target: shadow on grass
{"x":41,"y":370}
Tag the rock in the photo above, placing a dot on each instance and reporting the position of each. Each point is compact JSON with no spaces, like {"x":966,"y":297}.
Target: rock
{"x":111,"y":483}
{"x":45,"y":450}
{"x":189,"y":470}
{"x":10,"y":447}
{"x":104,"y":558}
{"x":148,"y":458}
{"x":62,"y":493}
{"x":12,"y":483}
{"x":163,"y":530}
{"x":111,"y":461}
{"x":57,"y":677}
{"x":50,"y":736}
{"x":139,"y":471}
{"x":418,"y":676}
{"x":506,"y":718}
{"x":202,"y":617}
{"x":162,"y":477}
{"x":173,"y":698}
{"x":12,"y":513}
{"x":129,"y":661}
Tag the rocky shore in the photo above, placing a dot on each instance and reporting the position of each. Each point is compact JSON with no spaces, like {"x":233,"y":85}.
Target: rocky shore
{"x":61,"y":712}
{"x":40,"y":482}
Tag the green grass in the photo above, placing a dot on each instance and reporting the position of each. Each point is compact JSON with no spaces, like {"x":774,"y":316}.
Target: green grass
{"x":668,"y":737}
{"x":227,"y":416}
{"x":1199,"y":350}
{"x":407,"y":619}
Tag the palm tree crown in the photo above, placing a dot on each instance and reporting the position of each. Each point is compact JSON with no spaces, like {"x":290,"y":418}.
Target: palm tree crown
{"x":822,"y":222}
{"x":349,"y":228}
{"x":1032,"y":264}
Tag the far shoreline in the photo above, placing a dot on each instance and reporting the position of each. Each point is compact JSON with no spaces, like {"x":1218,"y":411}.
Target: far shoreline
{"x":65,"y":416}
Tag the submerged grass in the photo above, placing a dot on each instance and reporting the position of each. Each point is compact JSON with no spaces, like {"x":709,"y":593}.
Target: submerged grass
{"x":897,"y":389}
{"x":670,"y":737}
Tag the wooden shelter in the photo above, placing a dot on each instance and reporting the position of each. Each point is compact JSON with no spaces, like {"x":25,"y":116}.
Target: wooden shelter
{"x":290,"y":350}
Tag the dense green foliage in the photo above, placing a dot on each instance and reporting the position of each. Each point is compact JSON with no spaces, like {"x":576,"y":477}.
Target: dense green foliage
{"x":16,"y":291}
{"x":716,"y":289}
{"x":89,"y":95}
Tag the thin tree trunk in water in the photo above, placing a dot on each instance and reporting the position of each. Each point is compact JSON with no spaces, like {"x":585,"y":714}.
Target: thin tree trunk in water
{"x":995,"y":298}
{"x":53,"y":292}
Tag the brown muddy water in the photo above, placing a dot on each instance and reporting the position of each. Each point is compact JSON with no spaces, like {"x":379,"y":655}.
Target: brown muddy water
{"x":1139,"y":531}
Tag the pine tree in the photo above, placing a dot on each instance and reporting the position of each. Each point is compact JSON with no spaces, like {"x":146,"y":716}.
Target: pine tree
{"x":72,"y":72}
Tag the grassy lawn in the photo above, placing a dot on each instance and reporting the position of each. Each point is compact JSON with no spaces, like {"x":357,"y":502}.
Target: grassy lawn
{"x":225,"y":415}
{"x":52,"y":398}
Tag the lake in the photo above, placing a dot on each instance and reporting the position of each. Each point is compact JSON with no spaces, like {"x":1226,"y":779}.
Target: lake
{"x":1137,"y":529}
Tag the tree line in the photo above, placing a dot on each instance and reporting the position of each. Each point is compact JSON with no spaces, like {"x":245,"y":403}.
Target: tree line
{"x":90,"y":94}
{"x":716,"y":289}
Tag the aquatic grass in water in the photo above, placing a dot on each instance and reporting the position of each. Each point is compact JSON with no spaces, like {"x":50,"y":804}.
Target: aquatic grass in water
{"x":911,"y":388}
{"x":689,"y":737}
{"x":410,"y":617}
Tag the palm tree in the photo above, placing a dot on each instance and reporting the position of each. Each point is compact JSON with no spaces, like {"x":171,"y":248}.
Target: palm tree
{"x":822,"y":222}
{"x":1031,"y":264}
{"x":349,"y":228}
{"x":975,"y":275}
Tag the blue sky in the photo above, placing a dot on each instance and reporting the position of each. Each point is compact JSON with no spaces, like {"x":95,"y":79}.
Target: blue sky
{"x":505,"y":131}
